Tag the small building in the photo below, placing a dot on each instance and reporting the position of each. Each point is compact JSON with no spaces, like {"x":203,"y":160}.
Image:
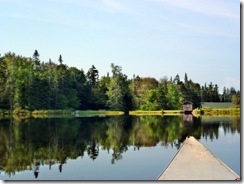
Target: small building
{"x":187,"y":107}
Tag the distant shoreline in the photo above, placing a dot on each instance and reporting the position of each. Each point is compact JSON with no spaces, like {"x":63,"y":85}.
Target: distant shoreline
{"x":216,"y":111}
{"x":87,"y":113}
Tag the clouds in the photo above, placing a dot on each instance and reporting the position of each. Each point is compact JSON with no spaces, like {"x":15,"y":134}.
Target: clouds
{"x":203,"y":17}
{"x":155,"y":35}
{"x":199,"y":17}
{"x":59,"y":12}
{"x":216,"y":8}
{"x":115,"y":6}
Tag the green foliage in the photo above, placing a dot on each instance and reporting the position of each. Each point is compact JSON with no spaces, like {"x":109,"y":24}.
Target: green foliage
{"x":27,"y":83}
{"x":236,"y":100}
{"x":36,"y":59}
{"x":93,"y":75}
{"x":119,"y":95}
{"x":217,"y":111}
{"x":150,"y":101}
{"x":173,"y":97}
{"x":210,"y":93}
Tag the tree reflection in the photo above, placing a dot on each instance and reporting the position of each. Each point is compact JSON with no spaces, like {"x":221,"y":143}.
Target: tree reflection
{"x":27,"y":144}
{"x":117,"y":155}
{"x":36,"y":168}
{"x":191,"y":126}
{"x":93,"y":150}
{"x":60,"y":167}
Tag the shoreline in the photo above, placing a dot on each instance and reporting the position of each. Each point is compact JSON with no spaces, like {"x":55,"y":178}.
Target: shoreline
{"x":87,"y":113}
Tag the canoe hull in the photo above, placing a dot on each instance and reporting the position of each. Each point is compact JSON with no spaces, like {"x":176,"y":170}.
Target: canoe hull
{"x":194,"y":161}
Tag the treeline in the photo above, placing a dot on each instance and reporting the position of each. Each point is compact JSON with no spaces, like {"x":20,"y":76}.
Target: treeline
{"x":28,"y":83}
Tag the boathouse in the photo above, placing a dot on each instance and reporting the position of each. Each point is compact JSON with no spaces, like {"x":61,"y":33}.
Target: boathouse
{"x":187,"y":107}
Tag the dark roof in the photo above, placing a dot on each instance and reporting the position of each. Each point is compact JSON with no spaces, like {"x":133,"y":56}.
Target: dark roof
{"x":187,"y":102}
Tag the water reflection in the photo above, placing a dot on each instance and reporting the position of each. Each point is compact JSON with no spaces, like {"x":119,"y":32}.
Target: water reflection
{"x":36,"y":168}
{"x":26,"y":144}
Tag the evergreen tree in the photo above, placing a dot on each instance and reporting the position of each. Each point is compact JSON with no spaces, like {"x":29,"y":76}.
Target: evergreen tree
{"x":4,"y":103}
{"x":36,"y":59}
{"x":224,"y":95}
{"x":28,"y":84}
{"x":60,"y":60}
{"x":176,"y":79}
{"x":93,"y":75}
{"x":186,"y":79}
{"x":216,"y":93}
{"x":134,"y":86}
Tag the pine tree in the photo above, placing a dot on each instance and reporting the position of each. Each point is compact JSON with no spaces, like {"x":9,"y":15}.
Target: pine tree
{"x":93,"y":75}
{"x":36,"y":58}
{"x":60,"y":59}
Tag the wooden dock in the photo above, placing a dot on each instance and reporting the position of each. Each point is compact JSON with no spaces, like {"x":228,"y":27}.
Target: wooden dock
{"x":194,"y":161}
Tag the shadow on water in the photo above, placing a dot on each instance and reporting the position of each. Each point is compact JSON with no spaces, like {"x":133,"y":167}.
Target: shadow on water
{"x":26,"y":144}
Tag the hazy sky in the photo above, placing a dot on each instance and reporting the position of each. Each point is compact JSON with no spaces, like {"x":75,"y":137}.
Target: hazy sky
{"x":153,"y":38}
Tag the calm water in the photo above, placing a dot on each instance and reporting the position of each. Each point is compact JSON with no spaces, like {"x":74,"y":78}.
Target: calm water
{"x":108,"y":148}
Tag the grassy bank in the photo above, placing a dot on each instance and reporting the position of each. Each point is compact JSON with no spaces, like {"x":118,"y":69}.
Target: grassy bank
{"x":216,"y":111}
{"x":61,"y":113}
{"x":51,"y":113}
{"x":22,"y":113}
{"x":172,"y":112}
{"x":77,"y":113}
{"x":141,"y":113}
{"x":97,"y":113}
{"x":160,"y":112}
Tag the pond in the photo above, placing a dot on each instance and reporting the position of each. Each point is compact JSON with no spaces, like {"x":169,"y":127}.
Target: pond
{"x":108,"y":148}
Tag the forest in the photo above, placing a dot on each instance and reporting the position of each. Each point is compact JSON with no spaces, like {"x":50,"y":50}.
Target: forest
{"x":31,"y":84}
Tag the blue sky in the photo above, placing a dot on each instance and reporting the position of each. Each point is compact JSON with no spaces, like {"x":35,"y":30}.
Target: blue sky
{"x":153,"y":38}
